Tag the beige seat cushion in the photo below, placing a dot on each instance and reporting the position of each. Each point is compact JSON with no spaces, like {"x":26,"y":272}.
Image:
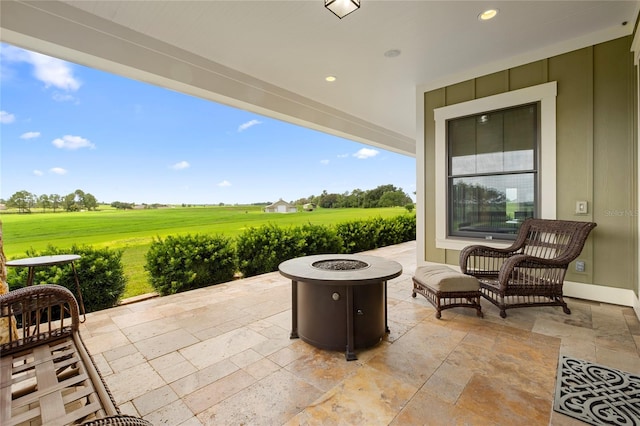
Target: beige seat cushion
{"x":444,"y":279}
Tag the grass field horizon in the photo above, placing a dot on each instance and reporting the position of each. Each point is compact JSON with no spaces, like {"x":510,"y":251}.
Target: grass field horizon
{"x":134,"y":230}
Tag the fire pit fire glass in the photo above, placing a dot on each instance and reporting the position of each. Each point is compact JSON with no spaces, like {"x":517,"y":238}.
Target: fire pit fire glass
{"x":339,"y":301}
{"x":340,"y":264}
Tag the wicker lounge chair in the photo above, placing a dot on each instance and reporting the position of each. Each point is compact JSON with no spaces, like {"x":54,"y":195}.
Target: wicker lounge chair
{"x":47,"y":375}
{"x":531,"y":271}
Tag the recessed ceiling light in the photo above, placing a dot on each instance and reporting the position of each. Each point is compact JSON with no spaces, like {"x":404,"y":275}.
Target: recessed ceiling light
{"x":330,"y":78}
{"x":392,"y":53}
{"x":488,"y":14}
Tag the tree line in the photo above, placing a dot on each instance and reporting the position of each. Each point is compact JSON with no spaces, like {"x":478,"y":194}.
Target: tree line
{"x":78,"y":200}
{"x":382,"y":196}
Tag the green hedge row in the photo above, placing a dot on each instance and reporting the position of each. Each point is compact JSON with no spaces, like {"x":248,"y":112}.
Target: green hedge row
{"x":186,"y":262}
{"x":172,"y":267}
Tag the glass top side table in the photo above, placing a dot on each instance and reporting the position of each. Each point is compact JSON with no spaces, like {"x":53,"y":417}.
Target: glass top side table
{"x":59,"y":259}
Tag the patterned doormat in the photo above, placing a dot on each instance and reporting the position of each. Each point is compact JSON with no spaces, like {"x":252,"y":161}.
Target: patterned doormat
{"x":596,"y":394}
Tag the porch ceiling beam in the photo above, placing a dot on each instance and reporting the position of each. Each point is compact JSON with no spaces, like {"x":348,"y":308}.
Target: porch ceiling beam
{"x":57,"y":29}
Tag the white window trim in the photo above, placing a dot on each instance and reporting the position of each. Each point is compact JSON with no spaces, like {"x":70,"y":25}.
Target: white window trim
{"x":543,"y":93}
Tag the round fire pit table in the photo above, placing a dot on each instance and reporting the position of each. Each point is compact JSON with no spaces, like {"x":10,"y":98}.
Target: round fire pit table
{"x":339,"y":300}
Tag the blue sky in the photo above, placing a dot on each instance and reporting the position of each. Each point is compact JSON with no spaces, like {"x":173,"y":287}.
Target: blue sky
{"x":65,"y":127}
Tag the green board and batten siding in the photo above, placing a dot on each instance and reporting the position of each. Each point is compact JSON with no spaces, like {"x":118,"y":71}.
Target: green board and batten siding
{"x":596,"y":151}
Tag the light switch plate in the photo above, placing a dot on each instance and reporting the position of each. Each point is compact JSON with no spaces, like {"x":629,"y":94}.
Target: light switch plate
{"x":581,"y":207}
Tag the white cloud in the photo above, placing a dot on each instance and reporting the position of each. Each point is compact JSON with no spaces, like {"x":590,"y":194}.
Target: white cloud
{"x":6,"y":118}
{"x":58,"y":170}
{"x":30,"y":135}
{"x":324,"y":162}
{"x":181,"y":165}
{"x":224,"y":183}
{"x":343,"y":155}
{"x":245,"y":126}
{"x":64,"y":97}
{"x":365,"y":153}
{"x":51,"y":71}
{"x":72,"y":142}
{"x":38,"y":172}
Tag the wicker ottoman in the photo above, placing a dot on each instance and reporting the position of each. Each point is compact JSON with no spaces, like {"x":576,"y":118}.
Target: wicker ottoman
{"x":445,"y":288}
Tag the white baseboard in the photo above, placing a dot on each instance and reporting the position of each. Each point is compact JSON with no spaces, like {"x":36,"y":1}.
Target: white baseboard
{"x":599,"y":293}
{"x":596,"y":293}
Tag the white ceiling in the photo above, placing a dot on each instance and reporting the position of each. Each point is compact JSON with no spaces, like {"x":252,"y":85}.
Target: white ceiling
{"x":272,"y":56}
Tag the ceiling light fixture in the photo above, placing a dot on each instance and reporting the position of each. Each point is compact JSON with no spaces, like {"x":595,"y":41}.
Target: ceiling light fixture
{"x":488,"y":14}
{"x":330,"y":78}
{"x":342,"y":8}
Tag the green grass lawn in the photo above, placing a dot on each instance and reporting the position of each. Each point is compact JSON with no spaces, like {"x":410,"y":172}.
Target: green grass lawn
{"x":134,"y":230}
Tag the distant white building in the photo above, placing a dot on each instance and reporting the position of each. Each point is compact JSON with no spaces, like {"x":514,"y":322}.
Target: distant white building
{"x":281,"y":206}
{"x":309,"y":207}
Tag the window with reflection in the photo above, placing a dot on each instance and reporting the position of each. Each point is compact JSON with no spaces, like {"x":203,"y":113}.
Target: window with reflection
{"x":492,"y":172}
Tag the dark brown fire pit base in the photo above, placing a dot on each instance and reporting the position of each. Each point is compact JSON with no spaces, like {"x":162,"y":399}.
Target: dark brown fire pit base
{"x":322,"y":323}
{"x":339,"y":301}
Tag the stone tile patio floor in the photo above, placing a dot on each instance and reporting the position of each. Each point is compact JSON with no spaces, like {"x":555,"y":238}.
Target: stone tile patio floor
{"x":222,"y":356}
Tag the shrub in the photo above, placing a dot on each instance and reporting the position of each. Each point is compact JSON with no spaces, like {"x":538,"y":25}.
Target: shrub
{"x":318,"y":239}
{"x":363,"y":235}
{"x":359,"y":235}
{"x":100,"y":274}
{"x":261,"y":250}
{"x":405,"y":227}
{"x":185,"y":262}
{"x":387,"y":235}
{"x":396,"y":230}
